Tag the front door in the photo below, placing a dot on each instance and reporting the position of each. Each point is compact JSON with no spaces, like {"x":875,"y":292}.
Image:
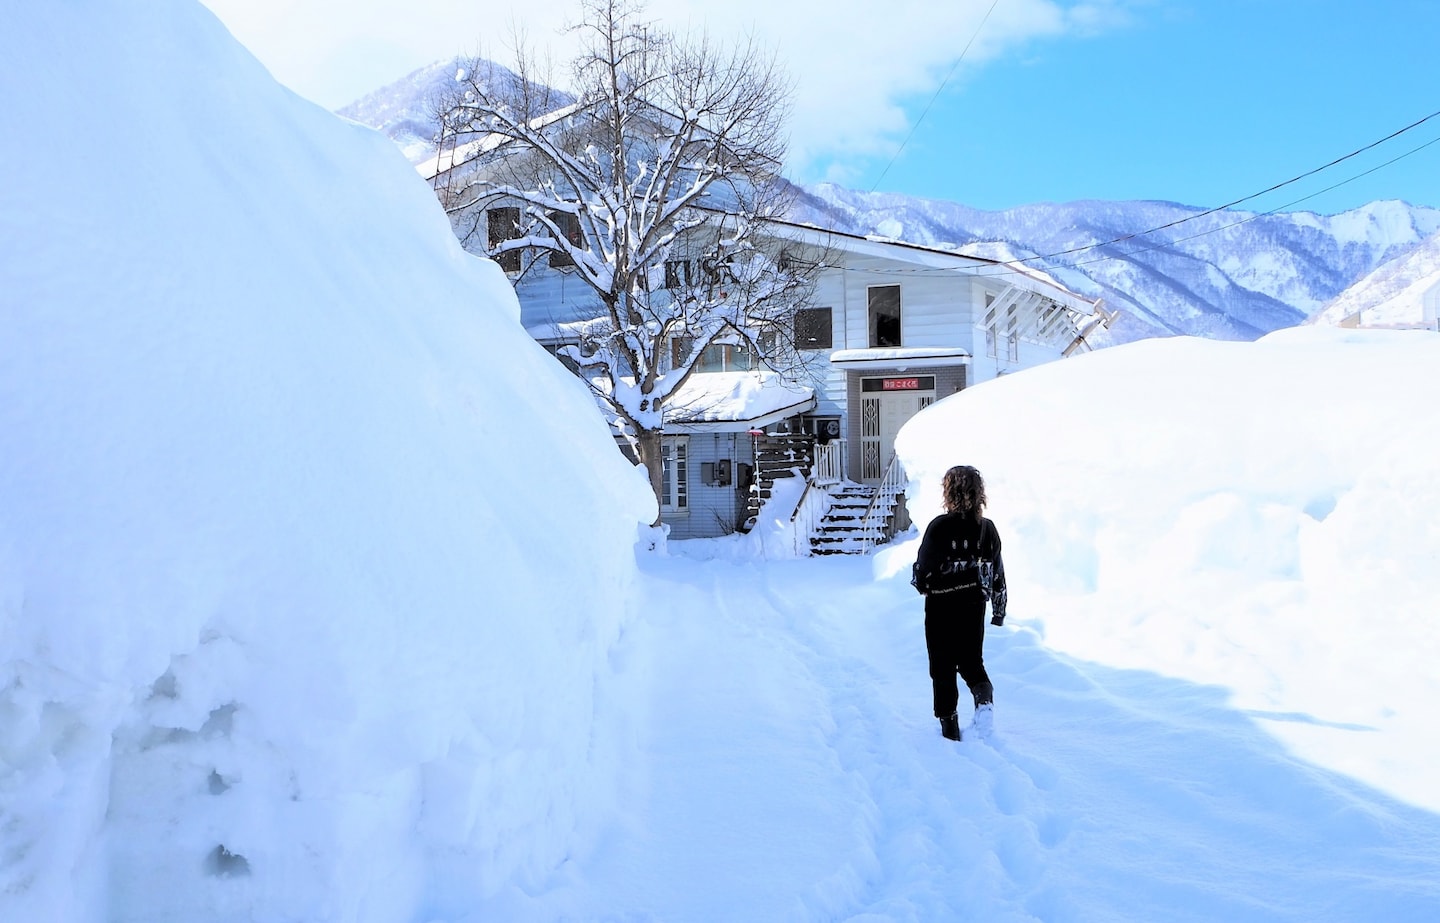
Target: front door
{"x":886,"y":404}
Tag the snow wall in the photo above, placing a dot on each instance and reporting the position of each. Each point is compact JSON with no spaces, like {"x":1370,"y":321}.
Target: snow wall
{"x":311,"y":562}
{"x":1261,"y":516}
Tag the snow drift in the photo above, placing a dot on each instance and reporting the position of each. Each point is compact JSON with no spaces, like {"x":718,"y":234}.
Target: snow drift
{"x":310,"y":559}
{"x":1260,"y":516}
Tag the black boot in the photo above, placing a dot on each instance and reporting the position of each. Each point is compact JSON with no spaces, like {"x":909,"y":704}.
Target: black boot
{"x":984,"y":694}
{"x":950,"y":727}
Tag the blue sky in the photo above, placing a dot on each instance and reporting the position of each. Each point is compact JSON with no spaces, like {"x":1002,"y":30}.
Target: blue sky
{"x":1199,"y":102}
{"x":1194,"y":101}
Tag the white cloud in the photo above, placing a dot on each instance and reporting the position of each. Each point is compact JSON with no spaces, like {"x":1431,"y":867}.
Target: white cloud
{"x":854,"y":63}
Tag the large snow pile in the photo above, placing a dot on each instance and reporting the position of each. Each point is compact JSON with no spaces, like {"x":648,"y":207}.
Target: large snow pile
{"x":311,"y":562}
{"x":1263,"y":517}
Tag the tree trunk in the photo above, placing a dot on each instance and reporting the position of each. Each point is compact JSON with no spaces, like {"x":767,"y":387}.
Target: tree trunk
{"x":647,"y":445}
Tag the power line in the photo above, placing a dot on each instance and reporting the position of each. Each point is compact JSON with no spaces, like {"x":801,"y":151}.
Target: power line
{"x":926,"y":111}
{"x":1256,"y":195}
{"x":1179,"y":221}
{"x":1249,"y":218}
{"x":1120,"y":256}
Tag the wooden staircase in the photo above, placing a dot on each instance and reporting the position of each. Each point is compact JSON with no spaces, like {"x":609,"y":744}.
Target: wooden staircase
{"x":834,"y":515}
{"x":776,"y":457}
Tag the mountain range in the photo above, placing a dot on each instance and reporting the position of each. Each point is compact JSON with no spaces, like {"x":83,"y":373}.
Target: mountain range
{"x":1226,"y":274}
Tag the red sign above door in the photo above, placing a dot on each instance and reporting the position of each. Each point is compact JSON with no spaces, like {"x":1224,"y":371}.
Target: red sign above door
{"x":900,"y":384}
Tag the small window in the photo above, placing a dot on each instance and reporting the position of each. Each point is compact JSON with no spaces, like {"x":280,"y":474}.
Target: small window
{"x":813,"y":328}
{"x":1013,"y":347}
{"x":674,"y":476}
{"x":503,"y":225}
{"x":725,"y":357}
{"x":884,"y":315}
{"x":991,"y":349}
{"x":680,"y":350}
{"x":569,"y":226}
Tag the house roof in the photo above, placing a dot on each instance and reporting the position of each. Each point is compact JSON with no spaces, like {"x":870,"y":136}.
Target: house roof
{"x":729,"y":401}
{"x":935,"y":258}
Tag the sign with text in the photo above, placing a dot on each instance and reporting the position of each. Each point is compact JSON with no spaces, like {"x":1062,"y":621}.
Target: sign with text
{"x":899,"y":383}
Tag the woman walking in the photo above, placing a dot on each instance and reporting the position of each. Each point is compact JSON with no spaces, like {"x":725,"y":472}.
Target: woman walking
{"x":958,"y":568}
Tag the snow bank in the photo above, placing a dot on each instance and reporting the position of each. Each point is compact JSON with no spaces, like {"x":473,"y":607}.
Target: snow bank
{"x":309,"y":562}
{"x":1261,"y":516}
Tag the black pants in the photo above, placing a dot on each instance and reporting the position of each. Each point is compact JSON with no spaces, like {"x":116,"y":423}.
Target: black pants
{"x":954,"y":638}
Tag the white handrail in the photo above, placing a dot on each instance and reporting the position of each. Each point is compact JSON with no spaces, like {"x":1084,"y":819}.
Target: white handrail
{"x":890,"y":484}
{"x":814,"y":504}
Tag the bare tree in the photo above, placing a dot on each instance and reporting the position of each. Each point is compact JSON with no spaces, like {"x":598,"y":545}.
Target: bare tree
{"x":657,"y":182}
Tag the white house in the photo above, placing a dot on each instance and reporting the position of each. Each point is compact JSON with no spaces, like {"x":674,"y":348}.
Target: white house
{"x":892,"y":327}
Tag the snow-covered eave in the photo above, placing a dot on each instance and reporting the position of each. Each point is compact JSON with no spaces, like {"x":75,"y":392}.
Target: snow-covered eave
{"x":915,"y":357}
{"x":720,"y":401}
{"x":560,"y":333}
{"x":757,"y":422}
{"x":447,"y":159}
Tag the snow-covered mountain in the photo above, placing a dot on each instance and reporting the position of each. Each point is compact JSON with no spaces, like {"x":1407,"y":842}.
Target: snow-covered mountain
{"x":405,"y":110}
{"x":1403,"y":292}
{"x":1229,"y":275}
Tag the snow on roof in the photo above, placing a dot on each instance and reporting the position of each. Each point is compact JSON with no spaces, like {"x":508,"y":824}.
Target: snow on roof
{"x":720,"y":401}
{"x":447,"y":159}
{"x":912,"y":357}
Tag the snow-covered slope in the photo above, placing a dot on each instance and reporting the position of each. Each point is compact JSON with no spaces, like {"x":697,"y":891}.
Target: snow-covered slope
{"x":405,"y":111}
{"x":1404,"y":291}
{"x":1231,"y":275}
{"x":296,"y":620}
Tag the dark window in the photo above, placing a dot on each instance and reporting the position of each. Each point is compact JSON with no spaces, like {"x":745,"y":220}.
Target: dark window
{"x":504,"y":224}
{"x":884,"y":315}
{"x":680,"y":350}
{"x":813,"y":328}
{"x":569,"y":226}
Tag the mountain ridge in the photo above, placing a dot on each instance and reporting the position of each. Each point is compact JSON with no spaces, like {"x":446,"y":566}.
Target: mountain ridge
{"x":1226,"y":274}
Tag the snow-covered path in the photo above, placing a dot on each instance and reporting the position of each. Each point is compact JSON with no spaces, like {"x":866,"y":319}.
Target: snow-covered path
{"x":791,"y":770}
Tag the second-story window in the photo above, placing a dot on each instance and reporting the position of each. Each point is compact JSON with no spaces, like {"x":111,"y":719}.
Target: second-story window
{"x":813,"y":328}
{"x":503,"y":224}
{"x":569,"y":226}
{"x":884,"y":315}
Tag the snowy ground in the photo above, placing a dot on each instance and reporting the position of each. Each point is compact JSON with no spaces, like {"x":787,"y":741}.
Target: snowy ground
{"x":789,"y":768}
{"x":319,"y":601}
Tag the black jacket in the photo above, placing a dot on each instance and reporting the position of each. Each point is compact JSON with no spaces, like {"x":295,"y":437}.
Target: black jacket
{"x":952,"y":536}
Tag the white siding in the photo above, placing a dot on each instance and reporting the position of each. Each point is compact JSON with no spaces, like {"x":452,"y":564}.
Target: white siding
{"x":712,"y":510}
{"x":935,"y":305}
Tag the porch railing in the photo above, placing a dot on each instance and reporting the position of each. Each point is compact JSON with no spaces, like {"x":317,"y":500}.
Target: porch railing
{"x":875,"y":519}
{"x":829,"y":464}
{"x":814,"y":504}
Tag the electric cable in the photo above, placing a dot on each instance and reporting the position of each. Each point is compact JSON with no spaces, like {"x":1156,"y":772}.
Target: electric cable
{"x":1211,"y":211}
{"x":1251,"y":217}
{"x":938,"y":91}
{"x":1255,"y":195}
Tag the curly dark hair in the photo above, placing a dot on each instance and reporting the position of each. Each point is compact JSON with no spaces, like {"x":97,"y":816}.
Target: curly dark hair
{"x":964,"y":491}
